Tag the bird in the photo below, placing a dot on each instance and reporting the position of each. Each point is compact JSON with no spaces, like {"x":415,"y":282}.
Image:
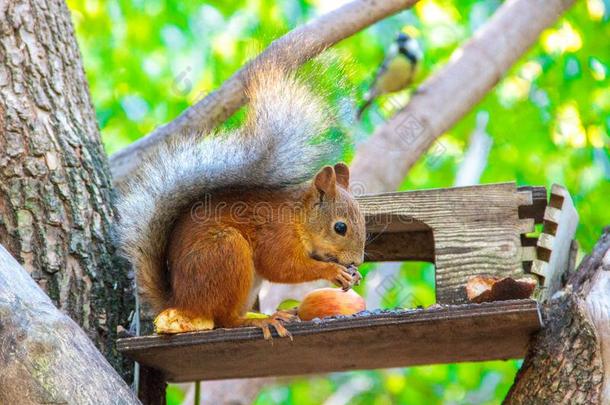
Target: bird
{"x":397,"y":71}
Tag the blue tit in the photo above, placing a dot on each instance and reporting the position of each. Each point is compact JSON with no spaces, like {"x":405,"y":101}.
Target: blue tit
{"x":397,"y":71}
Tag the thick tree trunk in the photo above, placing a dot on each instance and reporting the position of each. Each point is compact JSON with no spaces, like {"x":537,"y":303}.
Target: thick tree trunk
{"x":45,"y":357}
{"x":55,"y":189}
{"x":569,"y":360}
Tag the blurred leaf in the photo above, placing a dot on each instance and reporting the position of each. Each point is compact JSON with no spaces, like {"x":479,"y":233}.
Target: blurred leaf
{"x":288,"y":304}
{"x":174,"y":395}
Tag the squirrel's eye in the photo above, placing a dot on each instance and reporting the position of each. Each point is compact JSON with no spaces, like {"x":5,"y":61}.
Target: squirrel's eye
{"x":340,"y":228}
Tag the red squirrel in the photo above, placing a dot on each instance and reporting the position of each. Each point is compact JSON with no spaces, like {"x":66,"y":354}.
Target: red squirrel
{"x":203,"y":222}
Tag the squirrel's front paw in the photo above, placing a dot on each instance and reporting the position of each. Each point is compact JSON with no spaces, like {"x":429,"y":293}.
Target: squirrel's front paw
{"x":342,"y":277}
{"x":353,"y":270}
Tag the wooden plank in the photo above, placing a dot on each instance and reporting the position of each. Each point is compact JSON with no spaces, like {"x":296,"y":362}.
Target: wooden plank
{"x":526,"y":225}
{"x":528,"y":242}
{"x":471,"y":332}
{"x":475,"y":230}
{"x":535,"y":211}
{"x":152,"y":387}
{"x":528,"y":253}
{"x":555,"y":242}
{"x":539,"y":203}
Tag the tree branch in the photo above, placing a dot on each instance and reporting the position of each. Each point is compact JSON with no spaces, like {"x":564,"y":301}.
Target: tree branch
{"x":312,"y":38}
{"x":452,"y":92}
{"x":569,"y":360}
{"x":475,"y":159}
{"x":44,"y":356}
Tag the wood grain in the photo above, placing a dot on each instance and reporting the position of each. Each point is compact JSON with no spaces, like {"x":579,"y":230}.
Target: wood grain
{"x":554,"y":243}
{"x":471,"y":332}
{"x":474,"y":230}
{"x":414,"y":240}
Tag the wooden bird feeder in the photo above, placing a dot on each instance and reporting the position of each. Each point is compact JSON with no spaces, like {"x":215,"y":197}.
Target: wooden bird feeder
{"x":465,"y":231}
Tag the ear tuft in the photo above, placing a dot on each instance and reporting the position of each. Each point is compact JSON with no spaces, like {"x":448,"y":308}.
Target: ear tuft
{"x":342,"y":174}
{"x":325,"y":181}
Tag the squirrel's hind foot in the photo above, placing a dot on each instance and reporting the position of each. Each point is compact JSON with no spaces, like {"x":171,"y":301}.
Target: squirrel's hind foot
{"x":172,"y":321}
{"x":286,"y":316}
{"x":264,"y":324}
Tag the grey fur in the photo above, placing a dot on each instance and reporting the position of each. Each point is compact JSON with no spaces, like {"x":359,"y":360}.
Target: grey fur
{"x":274,"y":148}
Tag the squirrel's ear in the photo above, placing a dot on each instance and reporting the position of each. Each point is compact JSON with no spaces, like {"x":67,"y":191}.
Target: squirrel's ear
{"x":325,"y":181}
{"x":342,"y":173}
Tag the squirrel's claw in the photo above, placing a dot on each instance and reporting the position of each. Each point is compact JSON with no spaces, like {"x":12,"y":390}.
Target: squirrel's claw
{"x":347,"y":277}
{"x":355,"y":274}
{"x":265,"y":323}
{"x":286,"y":316}
{"x":344,"y":279}
{"x":266,"y":332}
{"x":280,"y":329}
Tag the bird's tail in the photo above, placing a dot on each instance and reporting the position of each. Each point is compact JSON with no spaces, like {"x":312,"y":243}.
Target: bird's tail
{"x":369,"y":97}
{"x":363,"y":107}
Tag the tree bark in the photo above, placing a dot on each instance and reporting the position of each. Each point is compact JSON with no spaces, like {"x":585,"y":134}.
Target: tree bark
{"x":569,"y":360}
{"x":449,"y":94}
{"x":44,"y":356}
{"x":55,"y":190}
{"x":293,"y":49}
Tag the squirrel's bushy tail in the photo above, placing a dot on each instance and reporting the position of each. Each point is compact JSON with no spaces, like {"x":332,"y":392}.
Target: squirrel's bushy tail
{"x":280,"y":144}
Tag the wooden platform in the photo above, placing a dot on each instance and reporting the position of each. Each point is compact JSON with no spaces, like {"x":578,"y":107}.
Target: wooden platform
{"x":469,"y":332}
{"x":464,"y":231}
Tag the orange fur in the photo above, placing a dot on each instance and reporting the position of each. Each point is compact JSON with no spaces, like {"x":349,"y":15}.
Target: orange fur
{"x":283,"y":235}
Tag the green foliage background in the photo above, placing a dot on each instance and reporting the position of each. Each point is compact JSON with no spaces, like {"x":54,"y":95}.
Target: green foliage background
{"x":549,"y":118}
